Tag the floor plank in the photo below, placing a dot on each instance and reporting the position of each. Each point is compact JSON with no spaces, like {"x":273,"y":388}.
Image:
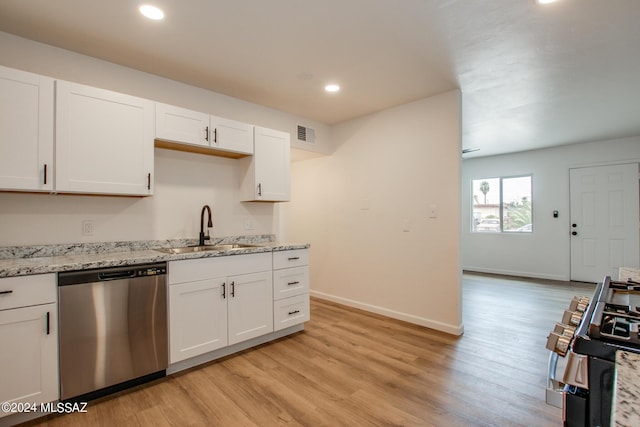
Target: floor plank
{"x":353,"y":368}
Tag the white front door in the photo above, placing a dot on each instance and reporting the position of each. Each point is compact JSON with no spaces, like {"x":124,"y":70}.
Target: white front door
{"x":604,"y":221}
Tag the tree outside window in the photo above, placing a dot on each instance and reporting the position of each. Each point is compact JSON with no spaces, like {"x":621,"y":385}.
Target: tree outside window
{"x":502,"y":205}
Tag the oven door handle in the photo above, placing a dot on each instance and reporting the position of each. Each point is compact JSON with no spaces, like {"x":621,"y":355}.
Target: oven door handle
{"x":554,"y":391}
{"x":551,"y":370}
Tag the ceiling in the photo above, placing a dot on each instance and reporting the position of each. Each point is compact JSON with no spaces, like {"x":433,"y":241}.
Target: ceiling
{"x":531,"y":76}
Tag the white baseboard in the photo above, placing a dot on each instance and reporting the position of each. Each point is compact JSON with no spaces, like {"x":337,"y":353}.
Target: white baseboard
{"x":533,"y":275}
{"x":429,"y":323}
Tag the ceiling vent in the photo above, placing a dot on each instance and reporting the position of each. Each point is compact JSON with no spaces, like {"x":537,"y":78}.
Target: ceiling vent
{"x":306,"y":134}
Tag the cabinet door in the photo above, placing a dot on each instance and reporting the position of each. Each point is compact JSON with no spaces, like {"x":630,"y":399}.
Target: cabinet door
{"x":230,"y":135}
{"x":26,"y":131}
{"x":267,"y":173}
{"x":181,"y":125}
{"x":197,"y":318}
{"x":29,"y":356}
{"x":250,"y":306}
{"x":104,"y":141}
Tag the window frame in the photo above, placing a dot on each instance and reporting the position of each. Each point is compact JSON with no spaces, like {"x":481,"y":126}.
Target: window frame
{"x":502,"y":204}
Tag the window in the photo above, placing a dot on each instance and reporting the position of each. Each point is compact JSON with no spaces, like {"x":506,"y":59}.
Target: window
{"x":502,"y":205}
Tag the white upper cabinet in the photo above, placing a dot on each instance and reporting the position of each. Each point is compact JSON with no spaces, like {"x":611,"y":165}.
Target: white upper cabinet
{"x":104,"y":141}
{"x":26,"y":131}
{"x":179,"y":125}
{"x":230,"y":135}
{"x":267,"y":175}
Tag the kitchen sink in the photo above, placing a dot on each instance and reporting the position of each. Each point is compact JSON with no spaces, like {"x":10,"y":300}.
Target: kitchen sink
{"x":192,"y":249}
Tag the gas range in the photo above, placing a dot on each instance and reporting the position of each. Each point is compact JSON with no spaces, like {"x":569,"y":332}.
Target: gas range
{"x":592,"y":330}
{"x":617,"y":313}
{"x":611,"y":322}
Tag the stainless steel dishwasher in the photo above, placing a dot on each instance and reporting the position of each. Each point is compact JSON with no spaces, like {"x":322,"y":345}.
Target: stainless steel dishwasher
{"x":113,"y":329}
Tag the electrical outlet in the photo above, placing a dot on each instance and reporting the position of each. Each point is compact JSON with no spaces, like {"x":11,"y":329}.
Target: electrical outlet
{"x":248,"y":224}
{"x":87,"y":227}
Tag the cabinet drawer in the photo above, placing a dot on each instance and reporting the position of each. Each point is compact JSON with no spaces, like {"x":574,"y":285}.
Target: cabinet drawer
{"x":23,"y":291}
{"x":191,"y":270}
{"x":294,"y":258}
{"x":290,"y":282}
{"x":290,"y":311}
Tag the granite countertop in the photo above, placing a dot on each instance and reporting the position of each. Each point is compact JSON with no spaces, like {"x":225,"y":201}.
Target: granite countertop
{"x":625,"y":411}
{"x":29,"y":260}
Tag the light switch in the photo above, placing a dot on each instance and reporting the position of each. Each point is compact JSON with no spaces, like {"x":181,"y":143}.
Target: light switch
{"x":433,"y":211}
{"x":406,"y":226}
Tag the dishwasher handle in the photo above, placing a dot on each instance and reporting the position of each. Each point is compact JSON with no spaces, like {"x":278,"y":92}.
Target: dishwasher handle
{"x":116,"y":275}
{"x":134,"y":271}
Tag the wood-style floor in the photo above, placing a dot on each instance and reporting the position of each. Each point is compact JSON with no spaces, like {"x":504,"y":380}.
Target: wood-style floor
{"x":352,"y":368}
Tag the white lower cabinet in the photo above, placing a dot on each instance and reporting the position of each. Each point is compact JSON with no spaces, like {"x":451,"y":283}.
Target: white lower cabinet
{"x":250,"y":312}
{"x":29,"y":337}
{"x":198,"y":313}
{"x":290,"y":288}
{"x":215,"y":302}
{"x":222,"y":301}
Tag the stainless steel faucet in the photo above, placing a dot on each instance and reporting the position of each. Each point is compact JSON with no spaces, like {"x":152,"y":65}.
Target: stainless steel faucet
{"x":209,"y":225}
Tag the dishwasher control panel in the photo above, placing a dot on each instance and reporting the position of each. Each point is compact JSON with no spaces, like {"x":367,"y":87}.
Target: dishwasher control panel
{"x":151,"y":271}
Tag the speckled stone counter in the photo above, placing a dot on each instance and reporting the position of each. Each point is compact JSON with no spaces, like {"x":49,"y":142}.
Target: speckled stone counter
{"x":29,"y":260}
{"x":625,"y":410}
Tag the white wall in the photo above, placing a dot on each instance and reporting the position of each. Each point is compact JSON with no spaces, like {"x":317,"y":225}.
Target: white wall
{"x":184,"y":182}
{"x":545,"y":253}
{"x":387,"y":169}
{"x":394,"y":163}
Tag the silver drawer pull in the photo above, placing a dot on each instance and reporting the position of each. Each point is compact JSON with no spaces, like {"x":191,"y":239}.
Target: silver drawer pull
{"x":294,"y":258}
{"x":293,"y":283}
{"x":5,"y":292}
{"x":294,"y":312}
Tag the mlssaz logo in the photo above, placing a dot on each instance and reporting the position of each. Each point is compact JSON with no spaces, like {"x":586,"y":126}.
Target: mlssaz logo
{"x":63,"y":407}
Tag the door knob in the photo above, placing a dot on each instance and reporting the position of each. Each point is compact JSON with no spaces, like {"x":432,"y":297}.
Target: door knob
{"x":574,"y":233}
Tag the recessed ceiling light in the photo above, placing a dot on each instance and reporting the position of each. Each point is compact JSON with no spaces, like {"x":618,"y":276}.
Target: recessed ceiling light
{"x":545,"y":1}
{"x":151,"y":12}
{"x":332,"y":88}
